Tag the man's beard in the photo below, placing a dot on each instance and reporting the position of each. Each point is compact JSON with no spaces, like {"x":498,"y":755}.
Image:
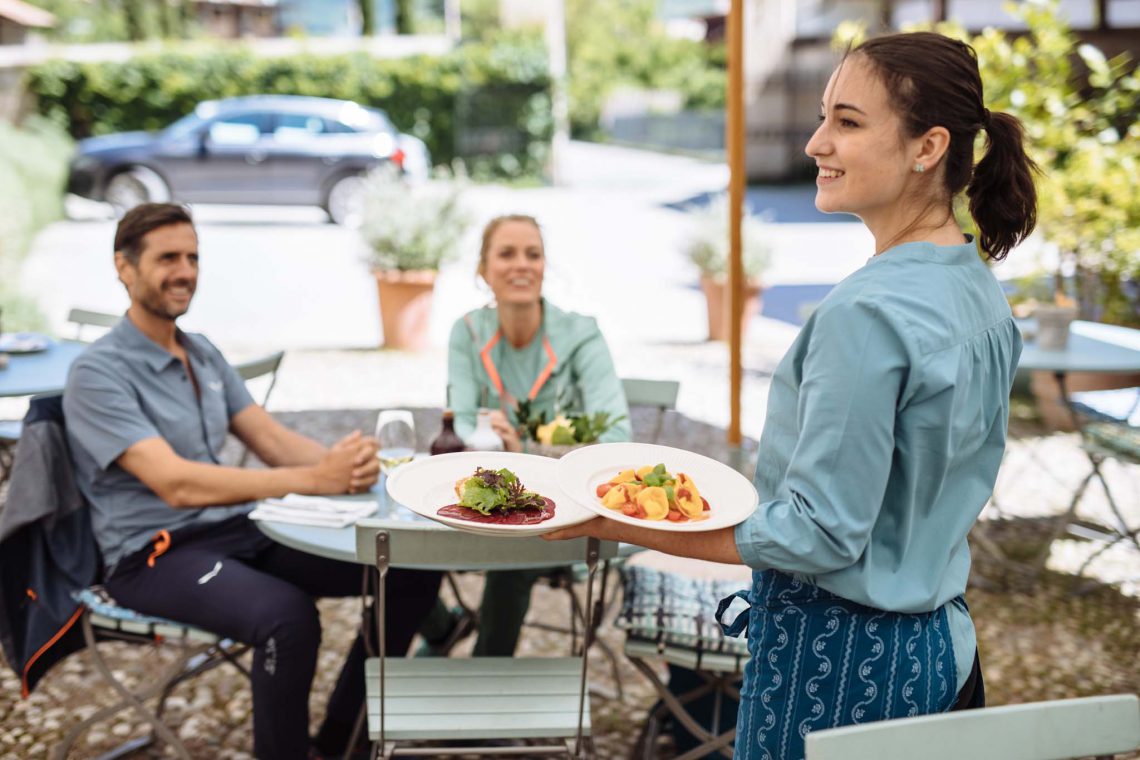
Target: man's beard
{"x":154,"y":305}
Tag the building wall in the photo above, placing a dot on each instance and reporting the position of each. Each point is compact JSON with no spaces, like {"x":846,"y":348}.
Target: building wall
{"x":783,"y":102}
{"x":11,"y":33}
{"x":235,"y":21}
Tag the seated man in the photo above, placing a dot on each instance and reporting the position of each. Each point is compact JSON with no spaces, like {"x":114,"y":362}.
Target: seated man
{"x":148,"y":408}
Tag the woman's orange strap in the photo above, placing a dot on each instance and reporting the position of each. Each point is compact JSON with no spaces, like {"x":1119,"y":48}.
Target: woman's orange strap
{"x":493,"y":372}
{"x":547,"y":371}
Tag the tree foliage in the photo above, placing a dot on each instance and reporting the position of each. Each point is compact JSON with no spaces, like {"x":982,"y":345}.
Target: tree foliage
{"x":1081,"y":113}
{"x":121,"y":20}
{"x":622,"y":42}
{"x":33,"y":172}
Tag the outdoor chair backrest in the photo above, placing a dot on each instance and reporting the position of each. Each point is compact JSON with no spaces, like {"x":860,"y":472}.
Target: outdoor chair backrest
{"x":658,"y":394}
{"x":1067,"y":728}
{"x":82,"y":318}
{"x":255,"y":368}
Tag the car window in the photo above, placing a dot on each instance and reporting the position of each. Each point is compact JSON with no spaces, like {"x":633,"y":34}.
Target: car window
{"x":184,"y":127}
{"x":298,"y":126}
{"x":240,"y":129}
{"x":339,"y":128}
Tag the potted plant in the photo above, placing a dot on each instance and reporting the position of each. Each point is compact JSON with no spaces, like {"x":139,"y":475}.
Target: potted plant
{"x":410,"y":229}
{"x":564,"y":433}
{"x":708,"y":250}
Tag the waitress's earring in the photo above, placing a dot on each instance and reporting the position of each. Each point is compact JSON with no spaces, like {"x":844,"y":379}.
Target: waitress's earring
{"x":919,"y":168}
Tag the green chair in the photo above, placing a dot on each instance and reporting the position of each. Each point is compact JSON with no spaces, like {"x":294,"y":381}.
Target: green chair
{"x":485,"y":698}
{"x":657,"y":394}
{"x":1065,"y":728}
{"x":256,"y":368}
{"x":660,"y":395}
{"x":84,"y":318}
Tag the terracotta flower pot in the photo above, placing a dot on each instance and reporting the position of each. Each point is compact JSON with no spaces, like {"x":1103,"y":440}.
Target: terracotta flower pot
{"x":717,"y":301}
{"x":405,"y":307}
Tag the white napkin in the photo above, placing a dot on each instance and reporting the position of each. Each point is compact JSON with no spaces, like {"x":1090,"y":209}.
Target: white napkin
{"x":313,"y":510}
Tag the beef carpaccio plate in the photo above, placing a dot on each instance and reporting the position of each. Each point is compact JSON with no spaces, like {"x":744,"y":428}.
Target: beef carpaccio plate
{"x":497,"y":497}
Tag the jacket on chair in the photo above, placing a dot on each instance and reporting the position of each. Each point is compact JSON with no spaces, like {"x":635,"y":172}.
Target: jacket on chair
{"x":47,"y":549}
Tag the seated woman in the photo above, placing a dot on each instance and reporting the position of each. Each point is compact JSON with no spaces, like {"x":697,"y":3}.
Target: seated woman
{"x":523,"y":348}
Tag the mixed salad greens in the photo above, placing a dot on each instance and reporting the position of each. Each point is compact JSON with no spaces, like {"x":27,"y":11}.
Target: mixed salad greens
{"x":488,"y":490}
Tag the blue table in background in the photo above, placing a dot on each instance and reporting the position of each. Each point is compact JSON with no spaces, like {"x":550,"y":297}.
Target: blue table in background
{"x":40,"y":372}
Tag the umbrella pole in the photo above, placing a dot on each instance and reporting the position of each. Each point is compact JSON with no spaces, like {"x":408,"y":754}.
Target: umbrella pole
{"x":734,"y":140}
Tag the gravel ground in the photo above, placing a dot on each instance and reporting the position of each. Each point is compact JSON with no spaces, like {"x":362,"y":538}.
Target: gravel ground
{"x":1058,"y":637}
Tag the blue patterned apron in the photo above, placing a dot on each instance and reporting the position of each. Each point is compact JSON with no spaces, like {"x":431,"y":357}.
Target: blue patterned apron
{"x":820,"y":661}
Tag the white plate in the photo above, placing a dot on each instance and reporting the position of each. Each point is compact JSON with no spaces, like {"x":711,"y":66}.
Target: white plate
{"x":425,"y":485}
{"x":731,"y":497}
{"x":23,"y":343}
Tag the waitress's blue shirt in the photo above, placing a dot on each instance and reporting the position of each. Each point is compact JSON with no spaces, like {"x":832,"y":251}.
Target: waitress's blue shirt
{"x":886,"y":425}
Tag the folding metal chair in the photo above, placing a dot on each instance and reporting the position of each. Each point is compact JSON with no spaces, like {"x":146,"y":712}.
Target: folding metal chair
{"x":197,"y":651}
{"x":668,"y":613}
{"x":256,"y":368}
{"x":1065,"y":728}
{"x":1109,"y":425}
{"x":443,"y":699}
{"x":660,"y":396}
{"x":657,"y":394}
{"x":84,"y":318}
{"x":49,"y":557}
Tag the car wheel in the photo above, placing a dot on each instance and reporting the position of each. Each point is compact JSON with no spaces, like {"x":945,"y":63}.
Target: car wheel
{"x":345,"y":202}
{"x":133,"y":186}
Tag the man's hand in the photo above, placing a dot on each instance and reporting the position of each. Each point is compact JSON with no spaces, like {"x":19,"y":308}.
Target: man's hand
{"x":333,"y":474}
{"x":366,"y":467}
{"x":502,"y":426}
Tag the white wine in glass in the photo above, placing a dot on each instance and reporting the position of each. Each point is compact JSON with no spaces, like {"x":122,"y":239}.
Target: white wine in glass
{"x":396,"y":432}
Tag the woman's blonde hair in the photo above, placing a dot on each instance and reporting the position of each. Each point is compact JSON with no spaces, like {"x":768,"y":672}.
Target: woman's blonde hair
{"x":489,"y":232}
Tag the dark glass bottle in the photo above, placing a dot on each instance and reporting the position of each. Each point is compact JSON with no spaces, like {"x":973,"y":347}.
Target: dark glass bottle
{"x":448,"y":441}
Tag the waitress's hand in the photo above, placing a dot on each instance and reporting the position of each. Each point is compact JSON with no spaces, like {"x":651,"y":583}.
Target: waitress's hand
{"x":502,"y":426}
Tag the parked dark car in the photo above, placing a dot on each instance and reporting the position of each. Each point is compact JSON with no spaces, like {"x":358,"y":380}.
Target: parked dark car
{"x":264,"y":149}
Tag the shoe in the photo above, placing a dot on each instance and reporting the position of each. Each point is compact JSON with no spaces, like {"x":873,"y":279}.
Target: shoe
{"x":462,"y":625}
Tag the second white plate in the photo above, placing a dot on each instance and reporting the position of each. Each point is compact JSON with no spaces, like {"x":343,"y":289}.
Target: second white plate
{"x":731,"y":496}
{"x":425,"y":485}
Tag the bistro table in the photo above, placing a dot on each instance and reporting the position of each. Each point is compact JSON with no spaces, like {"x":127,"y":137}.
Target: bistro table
{"x":30,"y":374}
{"x":1092,"y":347}
{"x":41,"y":371}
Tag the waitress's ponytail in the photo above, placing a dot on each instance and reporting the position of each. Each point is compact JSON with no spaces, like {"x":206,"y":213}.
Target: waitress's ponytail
{"x":1003,"y":199}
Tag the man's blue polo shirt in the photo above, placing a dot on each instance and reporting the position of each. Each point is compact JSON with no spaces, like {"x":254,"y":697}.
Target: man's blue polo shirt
{"x":126,"y":388}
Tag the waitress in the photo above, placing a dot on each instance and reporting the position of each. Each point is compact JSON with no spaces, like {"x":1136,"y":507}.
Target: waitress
{"x":887,"y":417}
{"x":524,"y":348}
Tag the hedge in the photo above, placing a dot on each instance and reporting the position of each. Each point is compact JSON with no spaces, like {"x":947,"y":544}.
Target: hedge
{"x":33,"y":172}
{"x":504,"y":86}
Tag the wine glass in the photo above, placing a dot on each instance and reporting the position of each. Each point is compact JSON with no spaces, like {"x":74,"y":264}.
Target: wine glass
{"x":396,"y":432}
